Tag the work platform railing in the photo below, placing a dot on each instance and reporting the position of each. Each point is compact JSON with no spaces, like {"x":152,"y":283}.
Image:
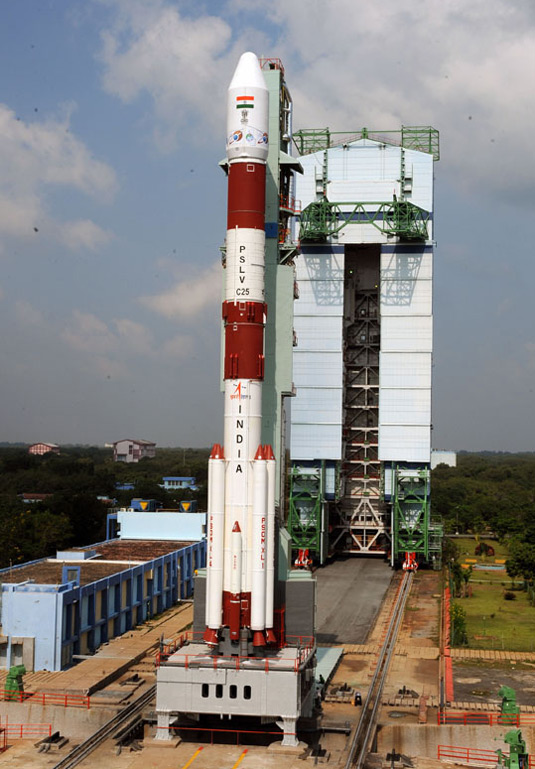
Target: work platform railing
{"x":46,"y":698}
{"x":304,"y":645}
{"x":476,"y":756}
{"x":25,"y":731}
{"x":514,"y":720}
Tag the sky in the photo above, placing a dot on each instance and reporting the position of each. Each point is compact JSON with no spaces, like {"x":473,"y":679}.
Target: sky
{"x":112,"y":205}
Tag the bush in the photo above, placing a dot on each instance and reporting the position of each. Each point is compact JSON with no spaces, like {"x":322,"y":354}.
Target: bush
{"x":509,"y":595}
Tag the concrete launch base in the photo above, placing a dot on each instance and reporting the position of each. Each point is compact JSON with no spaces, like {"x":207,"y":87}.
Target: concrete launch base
{"x":277,"y":748}
{"x":172,"y":742}
{"x":194,"y":681}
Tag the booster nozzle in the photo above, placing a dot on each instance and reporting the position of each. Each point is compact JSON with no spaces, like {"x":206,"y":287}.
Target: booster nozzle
{"x":217,"y":452}
{"x":210,"y":637}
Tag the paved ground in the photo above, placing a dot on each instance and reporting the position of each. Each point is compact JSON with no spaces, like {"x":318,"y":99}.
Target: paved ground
{"x":350,"y":592}
{"x":480,"y":680}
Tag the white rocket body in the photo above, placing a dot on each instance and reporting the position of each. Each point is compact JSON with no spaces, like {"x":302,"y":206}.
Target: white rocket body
{"x":241,"y":514}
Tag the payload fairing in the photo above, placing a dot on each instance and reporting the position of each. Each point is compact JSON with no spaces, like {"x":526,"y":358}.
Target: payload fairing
{"x":241,"y":476}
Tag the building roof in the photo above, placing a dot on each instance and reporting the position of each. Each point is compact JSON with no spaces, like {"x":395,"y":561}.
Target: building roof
{"x":124,"y":552}
{"x":44,"y":443}
{"x":140,"y":441}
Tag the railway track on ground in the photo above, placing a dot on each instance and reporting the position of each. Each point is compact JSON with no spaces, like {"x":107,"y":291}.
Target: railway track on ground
{"x":80,"y":752}
{"x":361,"y":739}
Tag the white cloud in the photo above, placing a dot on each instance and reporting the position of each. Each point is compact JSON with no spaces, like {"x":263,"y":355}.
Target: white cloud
{"x":180,"y":346}
{"x":385,"y":64}
{"x":134,"y":336}
{"x":182,"y":62}
{"x":27,"y":314}
{"x":154,"y":49}
{"x":36,"y":157}
{"x":83,"y":233}
{"x":88,"y":334}
{"x":188,"y":298}
{"x":458,"y":66}
{"x":110,"y":348}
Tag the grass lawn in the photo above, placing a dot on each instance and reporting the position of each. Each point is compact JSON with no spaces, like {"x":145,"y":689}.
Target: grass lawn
{"x":494,"y":623}
{"x":467,"y":546}
{"x":491,"y":621}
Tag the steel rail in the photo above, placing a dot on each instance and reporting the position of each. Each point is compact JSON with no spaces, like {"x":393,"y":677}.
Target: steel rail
{"x":80,"y":752}
{"x":362,"y":734}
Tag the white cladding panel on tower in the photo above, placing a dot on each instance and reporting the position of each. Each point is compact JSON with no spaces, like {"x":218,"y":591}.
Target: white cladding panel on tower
{"x":317,"y":405}
{"x":405,"y":369}
{"x":313,"y":441}
{"x":405,"y":358}
{"x":368,"y":171}
{"x":312,"y":335}
{"x":407,"y":406}
{"x":407,"y":334}
{"x":316,"y":410}
{"x":405,"y":266}
{"x":405,"y":443}
{"x":406,"y":297}
{"x":318,"y":369}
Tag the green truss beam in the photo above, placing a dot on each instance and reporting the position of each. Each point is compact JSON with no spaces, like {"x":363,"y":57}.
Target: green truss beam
{"x":420,"y":138}
{"x":322,"y":219}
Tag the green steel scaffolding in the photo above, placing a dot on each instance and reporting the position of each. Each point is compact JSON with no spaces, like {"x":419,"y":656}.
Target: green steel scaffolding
{"x":306,"y":508}
{"x":413,"y":529}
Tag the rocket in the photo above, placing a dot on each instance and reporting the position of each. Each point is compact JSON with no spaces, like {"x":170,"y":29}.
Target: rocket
{"x":241,"y":474}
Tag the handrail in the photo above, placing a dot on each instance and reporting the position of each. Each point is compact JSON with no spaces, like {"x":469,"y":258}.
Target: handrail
{"x":476,"y":755}
{"x":47,"y":698}
{"x":305,"y":644}
{"x":448,"y":717}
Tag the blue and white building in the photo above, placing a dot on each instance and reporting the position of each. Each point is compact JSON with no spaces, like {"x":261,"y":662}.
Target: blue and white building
{"x":55,"y":608}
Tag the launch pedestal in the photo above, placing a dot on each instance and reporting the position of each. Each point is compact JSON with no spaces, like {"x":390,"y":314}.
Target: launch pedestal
{"x":277,"y":688}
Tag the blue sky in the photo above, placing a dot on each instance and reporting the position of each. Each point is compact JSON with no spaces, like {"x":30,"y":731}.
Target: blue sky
{"x":112,"y":207}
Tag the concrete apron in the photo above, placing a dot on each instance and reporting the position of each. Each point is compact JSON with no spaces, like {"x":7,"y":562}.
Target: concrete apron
{"x":423,"y":740}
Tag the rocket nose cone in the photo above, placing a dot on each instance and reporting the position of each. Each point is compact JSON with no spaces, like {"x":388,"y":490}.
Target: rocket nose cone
{"x":248,"y":73}
{"x":236,"y":527}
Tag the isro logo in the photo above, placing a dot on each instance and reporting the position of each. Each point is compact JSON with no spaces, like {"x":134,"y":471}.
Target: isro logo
{"x":238,"y":395}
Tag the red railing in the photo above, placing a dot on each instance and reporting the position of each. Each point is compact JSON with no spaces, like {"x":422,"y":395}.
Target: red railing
{"x":26,"y":731}
{"x":472,"y":755}
{"x":47,"y":698}
{"x":237,"y":732}
{"x":305,"y":644}
{"x":271,"y":64}
{"x":448,"y":717}
{"x":290,"y":203}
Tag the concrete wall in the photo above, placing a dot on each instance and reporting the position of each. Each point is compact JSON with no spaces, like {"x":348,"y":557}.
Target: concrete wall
{"x":75,"y":723}
{"x":423,"y":740}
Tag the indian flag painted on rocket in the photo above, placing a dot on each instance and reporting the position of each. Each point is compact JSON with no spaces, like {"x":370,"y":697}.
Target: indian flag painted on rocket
{"x":244,"y":102}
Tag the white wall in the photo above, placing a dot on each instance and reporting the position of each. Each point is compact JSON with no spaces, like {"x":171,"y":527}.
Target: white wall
{"x":187,"y":527}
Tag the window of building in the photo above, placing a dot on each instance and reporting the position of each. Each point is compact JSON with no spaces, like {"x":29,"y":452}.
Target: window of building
{"x":233,"y":691}
{"x":219,"y":691}
{"x":205,"y":690}
{"x":246,"y":692}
